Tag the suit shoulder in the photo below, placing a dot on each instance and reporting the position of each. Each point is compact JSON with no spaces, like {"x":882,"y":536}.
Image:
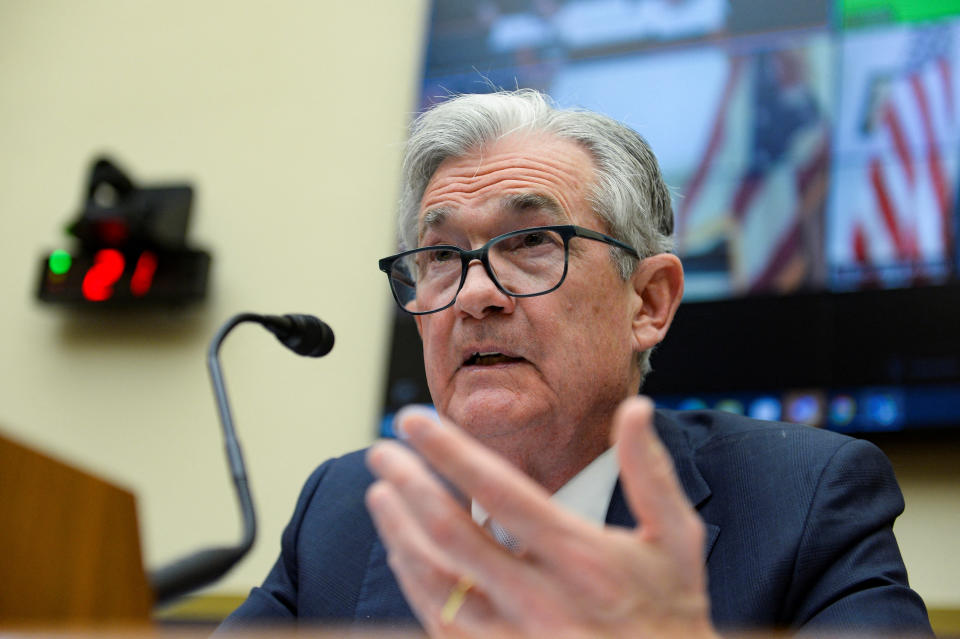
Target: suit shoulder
{"x":734,"y":451}
{"x":352,"y":463}
{"x":706,"y":429}
{"x":331,"y":503}
{"x":345,"y":473}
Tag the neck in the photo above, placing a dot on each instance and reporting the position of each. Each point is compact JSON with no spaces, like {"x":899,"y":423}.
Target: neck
{"x":550,"y":459}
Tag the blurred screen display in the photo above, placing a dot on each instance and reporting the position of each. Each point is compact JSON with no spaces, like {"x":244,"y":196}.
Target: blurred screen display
{"x":809,"y":145}
{"x":812,"y":151}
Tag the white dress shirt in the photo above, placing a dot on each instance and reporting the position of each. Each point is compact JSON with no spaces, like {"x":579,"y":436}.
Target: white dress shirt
{"x":588,"y":493}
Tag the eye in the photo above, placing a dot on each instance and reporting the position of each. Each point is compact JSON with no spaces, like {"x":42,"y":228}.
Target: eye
{"x":536,"y":238}
{"x":436,"y":258}
{"x":442,"y":255}
{"x":534,"y":241}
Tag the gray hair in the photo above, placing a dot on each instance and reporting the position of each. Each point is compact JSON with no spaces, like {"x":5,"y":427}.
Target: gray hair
{"x":628,"y":193}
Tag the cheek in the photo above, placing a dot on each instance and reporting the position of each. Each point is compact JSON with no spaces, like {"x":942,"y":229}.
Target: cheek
{"x":600,"y":334}
{"x":429,"y":342}
{"x":435,"y":337}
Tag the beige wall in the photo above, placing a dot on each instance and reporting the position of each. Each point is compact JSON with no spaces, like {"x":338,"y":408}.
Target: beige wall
{"x":929,"y":529}
{"x":288,"y":117}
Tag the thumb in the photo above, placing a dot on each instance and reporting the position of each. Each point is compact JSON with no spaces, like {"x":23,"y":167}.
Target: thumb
{"x":649,"y":480}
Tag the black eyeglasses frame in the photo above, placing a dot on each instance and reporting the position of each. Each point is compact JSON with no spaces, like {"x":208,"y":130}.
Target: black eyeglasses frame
{"x":565,"y":231}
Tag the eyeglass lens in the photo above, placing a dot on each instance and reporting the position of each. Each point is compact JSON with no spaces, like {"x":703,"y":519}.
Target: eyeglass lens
{"x":523,"y":264}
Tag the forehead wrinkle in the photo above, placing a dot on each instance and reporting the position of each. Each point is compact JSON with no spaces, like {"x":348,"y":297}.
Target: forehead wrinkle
{"x":470,"y":177}
{"x":554,"y":173}
{"x":513,"y":202}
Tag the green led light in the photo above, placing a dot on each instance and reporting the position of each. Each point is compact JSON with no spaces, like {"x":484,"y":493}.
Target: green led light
{"x":60,"y":262}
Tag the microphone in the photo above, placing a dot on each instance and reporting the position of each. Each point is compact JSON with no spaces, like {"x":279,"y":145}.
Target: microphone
{"x":304,"y":335}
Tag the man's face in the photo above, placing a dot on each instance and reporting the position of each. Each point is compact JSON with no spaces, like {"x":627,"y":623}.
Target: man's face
{"x":563,"y":360}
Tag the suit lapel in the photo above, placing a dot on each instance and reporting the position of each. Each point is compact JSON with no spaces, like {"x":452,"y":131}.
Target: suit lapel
{"x":694,"y":485}
{"x":380,"y":597}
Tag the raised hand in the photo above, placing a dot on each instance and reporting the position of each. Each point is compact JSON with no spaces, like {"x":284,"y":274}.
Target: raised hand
{"x":574,"y":578}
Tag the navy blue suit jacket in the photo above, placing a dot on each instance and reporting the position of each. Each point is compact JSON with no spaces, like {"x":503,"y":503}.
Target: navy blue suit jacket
{"x":799,"y":534}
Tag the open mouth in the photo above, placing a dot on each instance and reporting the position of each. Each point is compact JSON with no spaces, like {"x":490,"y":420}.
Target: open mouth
{"x":489,"y":359}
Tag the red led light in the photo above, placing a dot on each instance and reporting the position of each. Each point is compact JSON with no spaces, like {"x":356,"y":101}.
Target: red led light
{"x":108,"y":265}
{"x":142,"y":278}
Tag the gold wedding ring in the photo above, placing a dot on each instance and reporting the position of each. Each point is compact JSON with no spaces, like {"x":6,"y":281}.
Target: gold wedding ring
{"x":457,"y":596}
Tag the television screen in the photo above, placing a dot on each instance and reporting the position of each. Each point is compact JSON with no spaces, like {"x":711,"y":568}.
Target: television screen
{"x":812,"y":152}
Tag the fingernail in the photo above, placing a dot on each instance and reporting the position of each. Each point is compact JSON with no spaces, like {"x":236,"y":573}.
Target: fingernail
{"x":422,"y":410}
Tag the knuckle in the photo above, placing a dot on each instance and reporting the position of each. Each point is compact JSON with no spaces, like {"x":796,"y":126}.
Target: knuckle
{"x":490,"y":494}
{"x":442,"y":529}
{"x":539,"y":611}
{"x":402,"y":482}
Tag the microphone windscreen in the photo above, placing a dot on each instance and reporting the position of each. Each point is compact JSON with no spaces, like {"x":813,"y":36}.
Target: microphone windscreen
{"x":303,"y":334}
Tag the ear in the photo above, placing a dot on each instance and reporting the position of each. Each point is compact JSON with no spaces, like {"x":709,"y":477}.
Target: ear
{"x":658,"y":286}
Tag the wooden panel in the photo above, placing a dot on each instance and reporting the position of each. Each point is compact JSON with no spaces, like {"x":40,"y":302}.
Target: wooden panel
{"x":209,"y":608}
{"x":70,"y":545}
{"x":945,"y":622}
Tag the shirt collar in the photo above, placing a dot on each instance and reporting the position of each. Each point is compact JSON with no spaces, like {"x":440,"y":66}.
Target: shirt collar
{"x":588,"y":493}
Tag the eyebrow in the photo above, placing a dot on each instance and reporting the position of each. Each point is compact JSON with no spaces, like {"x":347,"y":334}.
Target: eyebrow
{"x":515,"y":202}
{"x":435,"y":217}
{"x":520,"y":202}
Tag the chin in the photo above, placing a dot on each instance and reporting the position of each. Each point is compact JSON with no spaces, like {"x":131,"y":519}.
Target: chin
{"x":489,"y":414}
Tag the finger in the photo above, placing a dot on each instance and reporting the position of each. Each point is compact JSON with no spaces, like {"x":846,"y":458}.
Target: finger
{"x":652,"y":488}
{"x":444,"y":522}
{"x":401,"y":466}
{"x":508,"y":495}
{"x":427,"y":571}
{"x":421,"y":571}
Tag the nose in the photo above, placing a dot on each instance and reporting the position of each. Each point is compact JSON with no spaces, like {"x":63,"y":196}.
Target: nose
{"x":480,"y":296}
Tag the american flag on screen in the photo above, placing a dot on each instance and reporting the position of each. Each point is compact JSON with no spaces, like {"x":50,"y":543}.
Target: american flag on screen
{"x":760,"y":187}
{"x":903,"y":210}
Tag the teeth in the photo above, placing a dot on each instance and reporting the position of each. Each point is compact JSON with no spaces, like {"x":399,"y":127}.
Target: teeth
{"x":483,"y":359}
{"x":473,"y":358}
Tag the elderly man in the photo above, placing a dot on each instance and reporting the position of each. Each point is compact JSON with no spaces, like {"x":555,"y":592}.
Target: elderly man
{"x":549,"y":498}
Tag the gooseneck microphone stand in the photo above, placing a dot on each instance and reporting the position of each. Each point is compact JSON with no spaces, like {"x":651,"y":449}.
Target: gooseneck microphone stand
{"x":305,"y":335}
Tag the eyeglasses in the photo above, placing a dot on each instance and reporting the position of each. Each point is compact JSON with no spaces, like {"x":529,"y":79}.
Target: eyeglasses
{"x":521,"y":263}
